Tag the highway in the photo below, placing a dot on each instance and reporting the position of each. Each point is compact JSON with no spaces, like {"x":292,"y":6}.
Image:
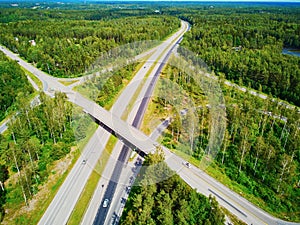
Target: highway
{"x":54,"y":214}
{"x":235,"y":203}
{"x":133,"y":137}
{"x":105,"y":214}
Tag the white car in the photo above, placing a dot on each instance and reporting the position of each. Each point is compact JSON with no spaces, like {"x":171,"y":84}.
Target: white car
{"x":105,"y":203}
{"x":187,"y":164}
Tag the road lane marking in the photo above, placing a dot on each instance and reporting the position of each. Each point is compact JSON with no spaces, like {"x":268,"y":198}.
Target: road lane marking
{"x":248,"y":212}
{"x":219,"y":196}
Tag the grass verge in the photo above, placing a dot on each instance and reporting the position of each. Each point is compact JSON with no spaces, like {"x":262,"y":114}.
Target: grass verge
{"x":218,"y":173}
{"x":92,"y":91}
{"x":137,"y":92}
{"x":34,"y":78}
{"x":88,"y":191}
{"x":232,"y":217}
{"x":138,"y":67}
{"x":67,"y":83}
{"x":132,"y":100}
{"x":90,"y":131}
{"x":213,"y":169}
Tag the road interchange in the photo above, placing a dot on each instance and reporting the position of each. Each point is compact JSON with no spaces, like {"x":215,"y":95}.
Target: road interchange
{"x":134,"y":138}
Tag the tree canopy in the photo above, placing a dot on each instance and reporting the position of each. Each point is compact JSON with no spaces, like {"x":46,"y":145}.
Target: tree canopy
{"x":67,"y":48}
{"x":260,"y":150}
{"x":36,"y":137}
{"x":167,"y":202}
{"x":13,"y":84}
{"x":246,"y":45}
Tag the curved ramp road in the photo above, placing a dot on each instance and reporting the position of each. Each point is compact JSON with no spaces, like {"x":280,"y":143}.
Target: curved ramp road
{"x":235,"y":203}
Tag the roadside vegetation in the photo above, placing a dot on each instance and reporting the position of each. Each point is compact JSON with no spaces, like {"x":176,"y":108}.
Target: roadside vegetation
{"x":91,"y":185}
{"x":259,"y":156}
{"x":104,"y":89}
{"x":14,"y":86}
{"x":170,"y":201}
{"x":246,"y":45}
{"x":37,"y":138}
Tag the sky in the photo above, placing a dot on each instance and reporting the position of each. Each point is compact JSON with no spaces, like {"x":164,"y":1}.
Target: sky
{"x":204,"y":0}
{"x":297,"y":1}
{"x":207,"y":0}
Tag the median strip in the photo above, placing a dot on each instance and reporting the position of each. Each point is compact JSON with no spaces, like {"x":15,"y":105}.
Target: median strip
{"x":90,"y":187}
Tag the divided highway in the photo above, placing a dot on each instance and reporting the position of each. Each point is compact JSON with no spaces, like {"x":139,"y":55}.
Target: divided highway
{"x":105,"y":214}
{"x":61,"y":207}
{"x":138,"y":116}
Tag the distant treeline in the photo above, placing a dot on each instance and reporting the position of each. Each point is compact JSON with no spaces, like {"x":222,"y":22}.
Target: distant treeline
{"x":246,"y":45}
{"x":66,"y":47}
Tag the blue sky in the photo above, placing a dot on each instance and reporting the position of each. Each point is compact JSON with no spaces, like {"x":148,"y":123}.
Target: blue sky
{"x":204,"y":0}
{"x":297,"y":1}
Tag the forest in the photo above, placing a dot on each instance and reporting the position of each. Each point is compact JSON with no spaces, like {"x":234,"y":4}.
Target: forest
{"x":168,"y":202}
{"x":58,"y":11}
{"x":13,"y":85}
{"x":260,"y":152}
{"x":261,"y":147}
{"x":68,"y":47}
{"x":246,"y":45}
{"x":37,"y":136}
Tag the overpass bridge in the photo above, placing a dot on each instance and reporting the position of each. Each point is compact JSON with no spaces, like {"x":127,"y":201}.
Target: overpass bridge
{"x":128,"y":134}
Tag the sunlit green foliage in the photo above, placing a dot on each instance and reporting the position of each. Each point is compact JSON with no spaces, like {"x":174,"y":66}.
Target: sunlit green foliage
{"x":246,"y":45}
{"x":261,"y":146}
{"x":36,"y":137}
{"x":103,"y":89}
{"x":70,"y":47}
{"x":13,"y":83}
{"x":167,"y":201}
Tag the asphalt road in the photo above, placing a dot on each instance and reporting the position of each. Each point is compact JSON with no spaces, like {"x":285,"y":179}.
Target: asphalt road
{"x":141,"y":141}
{"x":72,"y":187}
{"x":194,"y":177}
{"x":62,"y":205}
{"x":105,"y":214}
{"x":235,"y":203}
{"x":3,"y":126}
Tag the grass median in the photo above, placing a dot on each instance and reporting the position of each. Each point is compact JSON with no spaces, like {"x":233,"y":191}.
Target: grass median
{"x":88,"y":191}
{"x":68,"y":82}
{"x":34,"y":78}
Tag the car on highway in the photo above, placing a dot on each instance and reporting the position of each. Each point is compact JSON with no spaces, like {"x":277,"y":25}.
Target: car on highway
{"x":84,"y":161}
{"x":105,"y":203}
{"x":186,"y":164}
